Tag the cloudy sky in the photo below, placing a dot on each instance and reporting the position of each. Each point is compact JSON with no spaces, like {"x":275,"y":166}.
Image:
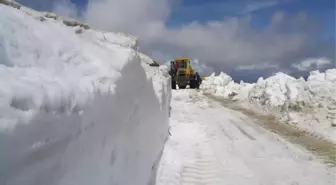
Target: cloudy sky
{"x":244,"y":38}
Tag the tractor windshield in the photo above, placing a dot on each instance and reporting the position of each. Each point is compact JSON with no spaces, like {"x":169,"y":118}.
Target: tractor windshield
{"x":183,"y":64}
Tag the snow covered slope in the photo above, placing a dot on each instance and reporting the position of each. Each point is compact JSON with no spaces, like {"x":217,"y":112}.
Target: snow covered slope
{"x":77,"y":106}
{"x":310,"y":104}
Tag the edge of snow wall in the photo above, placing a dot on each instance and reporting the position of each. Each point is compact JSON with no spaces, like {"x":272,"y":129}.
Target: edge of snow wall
{"x":117,"y":138}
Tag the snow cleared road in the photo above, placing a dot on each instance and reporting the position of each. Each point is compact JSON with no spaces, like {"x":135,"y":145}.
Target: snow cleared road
{"x":210,"y":144}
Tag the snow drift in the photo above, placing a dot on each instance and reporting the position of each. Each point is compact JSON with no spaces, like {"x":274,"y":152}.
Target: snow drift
{"x":77,"y":106}
{"x":311,"y":104}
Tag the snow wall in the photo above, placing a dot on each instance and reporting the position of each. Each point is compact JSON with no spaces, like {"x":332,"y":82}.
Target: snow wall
{"x":77,"y":106}
{"x":310,"y":104}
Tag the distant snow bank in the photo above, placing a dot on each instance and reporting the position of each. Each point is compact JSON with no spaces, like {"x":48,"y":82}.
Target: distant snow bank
{"x":310,"y":104}
{"x":77,"y":106}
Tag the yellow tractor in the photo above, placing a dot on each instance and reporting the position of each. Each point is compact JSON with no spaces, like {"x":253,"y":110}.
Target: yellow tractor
{"x":182,"y":74}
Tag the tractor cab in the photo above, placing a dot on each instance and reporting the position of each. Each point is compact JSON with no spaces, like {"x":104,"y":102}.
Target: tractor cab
{"x":183,"y":66}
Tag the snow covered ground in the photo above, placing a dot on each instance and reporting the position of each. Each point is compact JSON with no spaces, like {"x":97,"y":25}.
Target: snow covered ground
{"x":77,"y":106}
{"x":310,"y":105}
{"x":210,"y":144}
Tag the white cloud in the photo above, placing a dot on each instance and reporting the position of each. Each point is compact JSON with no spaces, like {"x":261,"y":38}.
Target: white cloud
{"x":259,"y":5}
{"x":258,"y":66}
{"x":231,"y":42}
{"x":221,"y":45}
{"x":142,"y":17}
{"x":202,"y":68}
{"x":65,"y":8}
{"x":312,"y":63}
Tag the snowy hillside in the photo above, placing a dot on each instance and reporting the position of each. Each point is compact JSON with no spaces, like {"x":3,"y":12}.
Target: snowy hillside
{"x":77,"y":106}
{"x":310,"y":104}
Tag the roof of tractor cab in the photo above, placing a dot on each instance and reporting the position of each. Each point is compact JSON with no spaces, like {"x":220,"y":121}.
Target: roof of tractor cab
{"x":181,"y":58}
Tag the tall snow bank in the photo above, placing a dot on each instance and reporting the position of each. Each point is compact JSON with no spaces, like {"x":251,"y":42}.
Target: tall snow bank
{"x":109,"y":38}
{"x":224,"y":86}
{"x":319,"y":89}
{"x":274,"y":91}
{"x":77,"y":107}
{"x":298,"y":101}
{"x":322,"y":86}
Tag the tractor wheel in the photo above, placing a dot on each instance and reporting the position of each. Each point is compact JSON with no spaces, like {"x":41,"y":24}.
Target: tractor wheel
{"x":173,"y":84}
{"x":192,"y":84}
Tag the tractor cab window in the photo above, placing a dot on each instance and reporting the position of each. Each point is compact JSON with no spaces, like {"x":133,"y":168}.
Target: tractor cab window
{"x":183,"y":64}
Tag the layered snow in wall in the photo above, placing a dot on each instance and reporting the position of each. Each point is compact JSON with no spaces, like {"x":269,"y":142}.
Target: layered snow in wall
{"x":77,"y":107}
{"x":310,"y":104}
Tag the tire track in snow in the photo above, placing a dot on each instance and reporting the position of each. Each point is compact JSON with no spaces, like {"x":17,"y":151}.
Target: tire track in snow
{"x":188,"y":158}
{"x":226,"y":134}
{"x":244,"y":132}
{"x":203,"y":171}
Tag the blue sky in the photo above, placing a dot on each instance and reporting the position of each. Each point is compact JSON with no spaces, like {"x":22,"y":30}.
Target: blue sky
{"x":223,"y":35}
{"x":204,"y":10}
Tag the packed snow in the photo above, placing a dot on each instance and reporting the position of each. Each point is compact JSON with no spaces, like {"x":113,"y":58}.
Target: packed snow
{"x":77,"y":106}
{"x":310,"y":105}
{"x":213,"y":145}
